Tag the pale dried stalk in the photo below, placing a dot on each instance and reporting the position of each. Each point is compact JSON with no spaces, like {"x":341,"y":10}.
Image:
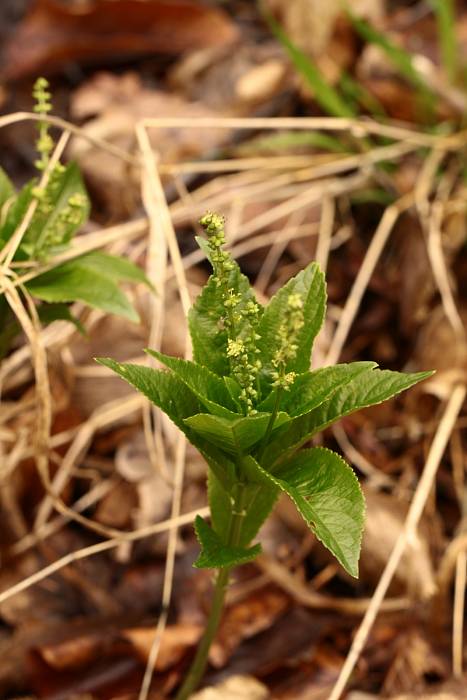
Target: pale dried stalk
{"x":458,"y":615}
{"x":334,"y":167}
{"x":381,"y":235}
{"x":326,"y":225}
{"x":358,"y":127}
{"x":88,"y":499}
{"x":160,"y":217}
{"x":305,"y":595}
{"x":85,"y":244}
{"x":440,"y":270}
{"x":8,"y":252}
{"x":9,"y":119}
{"x":414,"y":514}
{"x":278,"y":246}
{"x":104,"y":415}
{"x":85,"y":552}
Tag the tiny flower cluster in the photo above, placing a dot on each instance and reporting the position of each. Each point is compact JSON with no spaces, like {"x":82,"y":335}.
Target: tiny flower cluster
{"x":55,"y":231}
{"x":43,"y":106}
{"x":242,"y":348}
{"x":287,"y":349}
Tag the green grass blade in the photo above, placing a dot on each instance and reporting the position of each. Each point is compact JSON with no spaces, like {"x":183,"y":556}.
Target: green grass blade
{"x":327,"y":97}
{"x":398,"y":56}
{"x":446,"y":20}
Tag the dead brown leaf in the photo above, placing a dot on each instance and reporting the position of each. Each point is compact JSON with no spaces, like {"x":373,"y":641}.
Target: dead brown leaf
{"x":254,"y":614}
{"x":116,"y":104}
{"x":54,"y":34}
{"x":235,"y":688}
{"x":175,"y":641}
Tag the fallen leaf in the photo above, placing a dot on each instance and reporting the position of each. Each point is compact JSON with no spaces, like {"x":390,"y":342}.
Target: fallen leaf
{"x":54,"y":34}
{"x":72,"y":653}
{"x":254,"y":614}
{"x":235,"y":688}
{"x":175,"y":641}
{"x":116,"y":104}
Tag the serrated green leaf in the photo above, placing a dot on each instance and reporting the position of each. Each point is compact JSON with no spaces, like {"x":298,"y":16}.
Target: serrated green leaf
{"x":171,"y":395}
{"x":311,"y":389}
{"x":207,"y":386}
{"x":80,"y":280}
{"x":310,"y":285}
{"x":234,"y":435}
{"x":208,"y":336}
{"x":215,"y":554}
{"x":367,"y":389}
{"x":327,"y":494}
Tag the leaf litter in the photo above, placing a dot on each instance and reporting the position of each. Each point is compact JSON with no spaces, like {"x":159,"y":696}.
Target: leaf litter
{"x":293,"y":653}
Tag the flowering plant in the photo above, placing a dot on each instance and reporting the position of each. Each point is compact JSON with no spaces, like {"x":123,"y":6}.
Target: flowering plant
{"x":248,"y":402}
{"x":37,"y":227}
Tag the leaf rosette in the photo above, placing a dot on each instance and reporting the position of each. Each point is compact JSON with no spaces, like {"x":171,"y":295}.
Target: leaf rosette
{"x":250,"y":412}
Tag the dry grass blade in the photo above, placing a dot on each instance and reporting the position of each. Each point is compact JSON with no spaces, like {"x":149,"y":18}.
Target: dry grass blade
{"x":9,"y":250}
{"x":458,"y":615}
{"x":160,"y":218}
{"x":372,"y":256}
{"x":73,"y":129}
{"x":357,"y":127}
{"x":417,"y":506}
{"x":90,"y":551}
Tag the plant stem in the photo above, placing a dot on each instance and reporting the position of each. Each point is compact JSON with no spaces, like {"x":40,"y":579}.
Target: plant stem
{"x":272,"y":420}
{"x":199,"y":663}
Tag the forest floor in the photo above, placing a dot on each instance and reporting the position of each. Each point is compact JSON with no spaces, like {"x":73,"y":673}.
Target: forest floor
{"x":329,"y":143}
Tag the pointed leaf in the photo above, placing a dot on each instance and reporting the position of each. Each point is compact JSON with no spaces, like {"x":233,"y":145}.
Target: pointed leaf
{"x":328,"y":496}
{"x":207,"y":386}
{"x":311,"y":389}
{"x":78,"y":280}
{"x":310,"y":285}
{"x":367,"y":389}
{"x":112,"y":266}
{"x":215,"y":554}
{"x":172,"y":396}
{"x":205,"y":322}
{"x":235,"y":436}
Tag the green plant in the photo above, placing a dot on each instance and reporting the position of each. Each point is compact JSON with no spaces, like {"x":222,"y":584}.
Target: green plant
{"x":61,"y":207}
{"x":248,"y":402}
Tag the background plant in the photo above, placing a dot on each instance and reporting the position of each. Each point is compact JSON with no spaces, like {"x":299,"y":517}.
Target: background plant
{"x":248,"y":402}
{"x":62,"y":207}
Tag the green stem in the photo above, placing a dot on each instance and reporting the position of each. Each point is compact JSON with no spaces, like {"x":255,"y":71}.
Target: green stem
{"x":272,"y":420}
{"x":199,"y":663}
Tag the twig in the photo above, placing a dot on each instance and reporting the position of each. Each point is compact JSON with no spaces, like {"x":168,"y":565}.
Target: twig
{"x":381,"y":235}
{"x":160,"y":218}
{"x":72,"y":128}
{"x":458,"y":615}
{"x":419,"y":500}
{"x":90,"y":551}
